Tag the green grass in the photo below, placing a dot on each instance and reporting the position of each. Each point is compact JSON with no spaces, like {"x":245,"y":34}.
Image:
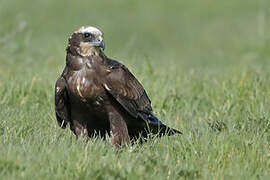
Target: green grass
{"x":205,"y":65}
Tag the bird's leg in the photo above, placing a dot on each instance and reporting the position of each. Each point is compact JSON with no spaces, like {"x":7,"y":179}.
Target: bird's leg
{"x":119,"y":130}
{"x":80,"y":131}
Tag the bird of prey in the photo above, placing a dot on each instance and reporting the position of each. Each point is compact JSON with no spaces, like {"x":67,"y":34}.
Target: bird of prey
{"x":96,"y":95}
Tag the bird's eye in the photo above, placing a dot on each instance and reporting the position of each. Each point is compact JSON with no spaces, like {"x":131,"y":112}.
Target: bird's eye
{"x":86,"y":35}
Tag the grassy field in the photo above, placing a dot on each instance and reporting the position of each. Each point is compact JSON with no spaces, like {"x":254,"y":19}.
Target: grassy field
{"x":205,"y":65}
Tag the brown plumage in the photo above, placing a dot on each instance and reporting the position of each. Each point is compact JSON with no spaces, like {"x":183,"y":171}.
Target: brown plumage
{"x":96,"y":95}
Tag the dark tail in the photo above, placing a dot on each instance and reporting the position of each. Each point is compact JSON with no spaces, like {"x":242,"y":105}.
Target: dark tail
{"x":156,"y":126}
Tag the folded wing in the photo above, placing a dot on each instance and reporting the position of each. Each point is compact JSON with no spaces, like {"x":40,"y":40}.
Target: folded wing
{"x":62,"y":109}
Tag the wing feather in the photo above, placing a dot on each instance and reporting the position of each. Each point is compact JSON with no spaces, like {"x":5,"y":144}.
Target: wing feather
{"x":127,"y":90}
{"x":62,"y":109}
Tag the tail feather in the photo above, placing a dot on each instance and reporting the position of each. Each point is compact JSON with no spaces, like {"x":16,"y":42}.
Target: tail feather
{"x":156,"y":126}
{"x":164,"y":130}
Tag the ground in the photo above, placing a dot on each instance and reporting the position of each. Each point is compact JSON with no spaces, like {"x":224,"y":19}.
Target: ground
{"x":205,"y":65}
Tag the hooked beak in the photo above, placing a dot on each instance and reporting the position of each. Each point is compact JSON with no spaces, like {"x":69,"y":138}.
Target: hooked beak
{"x":99,"y":43}
{"x":102,"y":45}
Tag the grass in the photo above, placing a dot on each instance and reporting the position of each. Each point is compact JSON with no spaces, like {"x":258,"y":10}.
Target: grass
{"x":205,"y":65}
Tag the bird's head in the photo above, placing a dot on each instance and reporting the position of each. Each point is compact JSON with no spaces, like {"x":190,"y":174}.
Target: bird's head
{"x":87,"y":40}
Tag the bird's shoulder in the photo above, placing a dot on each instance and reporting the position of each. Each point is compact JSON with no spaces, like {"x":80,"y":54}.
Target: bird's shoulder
{"x":126,"y":89}
{"x":123,"y":78}
{"x":114,"y":64}
{"x":121,"y":72}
